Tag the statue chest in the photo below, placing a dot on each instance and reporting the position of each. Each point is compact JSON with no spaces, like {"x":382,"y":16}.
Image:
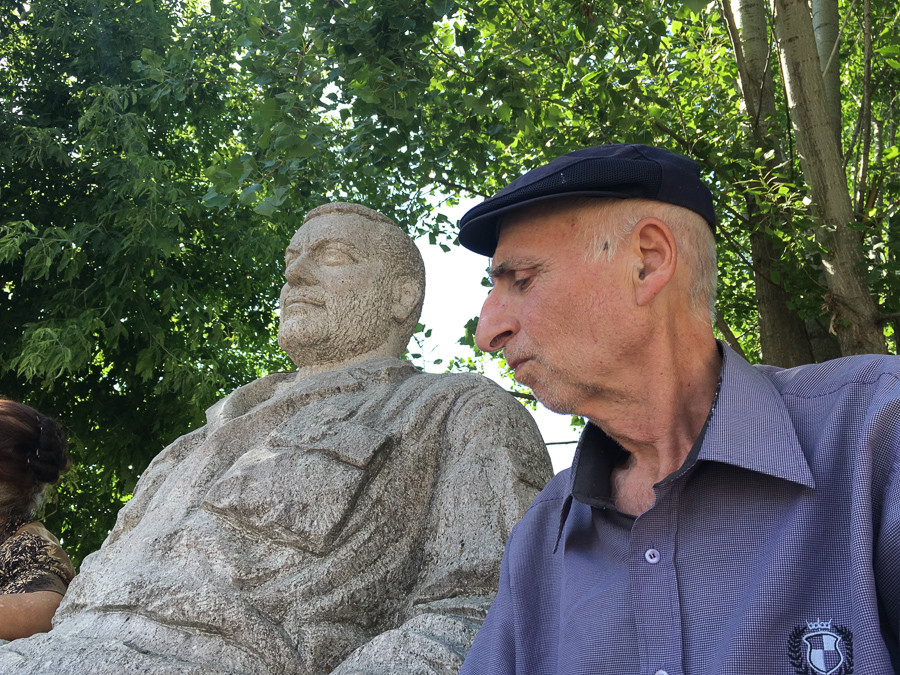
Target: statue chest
{"x":301,"y":479}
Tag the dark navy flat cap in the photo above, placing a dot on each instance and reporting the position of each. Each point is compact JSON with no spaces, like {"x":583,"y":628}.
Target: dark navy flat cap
{"x":622,"y":170}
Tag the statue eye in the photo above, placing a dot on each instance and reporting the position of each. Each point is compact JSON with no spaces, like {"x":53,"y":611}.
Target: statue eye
{"x":334,"y":256}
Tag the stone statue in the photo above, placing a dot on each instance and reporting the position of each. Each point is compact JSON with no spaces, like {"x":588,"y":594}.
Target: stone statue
{"x":348,"y":517}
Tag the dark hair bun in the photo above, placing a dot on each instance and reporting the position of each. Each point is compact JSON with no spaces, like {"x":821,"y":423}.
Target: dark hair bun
{"x":33,"y":454}
{"x":49,"y":458}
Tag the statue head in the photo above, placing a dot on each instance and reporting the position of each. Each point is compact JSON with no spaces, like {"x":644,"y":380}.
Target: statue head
{"x":354,"y":287}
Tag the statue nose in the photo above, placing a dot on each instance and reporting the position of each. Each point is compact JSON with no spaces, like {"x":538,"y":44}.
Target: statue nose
{"x":298,"y":273}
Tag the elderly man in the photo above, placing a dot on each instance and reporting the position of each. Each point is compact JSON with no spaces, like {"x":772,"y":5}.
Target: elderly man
{"x":348,"y":517}
{"x":718,"y":517}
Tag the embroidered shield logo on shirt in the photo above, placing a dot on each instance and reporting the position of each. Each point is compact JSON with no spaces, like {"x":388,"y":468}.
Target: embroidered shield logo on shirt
{"x":820,"y":649}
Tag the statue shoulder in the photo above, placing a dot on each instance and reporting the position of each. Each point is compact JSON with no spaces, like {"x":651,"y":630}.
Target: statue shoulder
{"x":473,"y":389}
{"x":245,"y":398}
{"x":487,"y":419}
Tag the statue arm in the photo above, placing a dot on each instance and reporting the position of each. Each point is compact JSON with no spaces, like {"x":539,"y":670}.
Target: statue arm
{"x":495,"y":464}
{"x":166,"y":463}
{"x":162,"y":466}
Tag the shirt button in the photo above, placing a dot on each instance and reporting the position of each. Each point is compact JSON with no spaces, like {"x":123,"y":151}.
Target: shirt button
{"x":652,"y":557}
{"x":661,"y":672}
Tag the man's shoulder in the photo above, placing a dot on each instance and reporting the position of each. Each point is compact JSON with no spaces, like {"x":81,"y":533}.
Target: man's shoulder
{"x":555,"y":492}
{"x":538,"y":528}
{"x":829,"y":377}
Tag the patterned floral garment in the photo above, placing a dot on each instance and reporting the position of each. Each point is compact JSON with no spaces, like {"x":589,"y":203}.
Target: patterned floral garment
{"x":32,"y":560}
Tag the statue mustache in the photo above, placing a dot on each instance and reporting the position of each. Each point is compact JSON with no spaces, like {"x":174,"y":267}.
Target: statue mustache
{"x":305,"y":298}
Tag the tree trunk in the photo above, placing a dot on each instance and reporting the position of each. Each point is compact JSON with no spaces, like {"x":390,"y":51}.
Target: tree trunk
{"x":782,"y":333}
{"x":826,"y":28}
{"x":854,"y":313}
{"x":865,"y":117}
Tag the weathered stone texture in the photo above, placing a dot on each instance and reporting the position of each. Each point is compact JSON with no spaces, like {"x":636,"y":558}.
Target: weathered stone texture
{"x":347,"y":518}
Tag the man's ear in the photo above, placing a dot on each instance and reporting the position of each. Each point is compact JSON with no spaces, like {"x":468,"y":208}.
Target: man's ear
{"x":656,"y":258}
{"x":406,"y":297}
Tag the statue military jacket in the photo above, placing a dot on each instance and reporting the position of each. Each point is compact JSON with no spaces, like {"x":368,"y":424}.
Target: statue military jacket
{"x":353,"y":521}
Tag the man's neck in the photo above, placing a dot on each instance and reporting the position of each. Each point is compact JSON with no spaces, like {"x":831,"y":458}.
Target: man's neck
{"x":658,"y":418}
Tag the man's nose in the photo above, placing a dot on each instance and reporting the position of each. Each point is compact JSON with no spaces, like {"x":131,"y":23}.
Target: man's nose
{"x":496,"y":325}
{"x":298,"y":273}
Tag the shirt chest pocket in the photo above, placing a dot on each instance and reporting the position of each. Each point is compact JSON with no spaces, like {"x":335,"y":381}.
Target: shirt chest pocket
{"x":302,"y":484}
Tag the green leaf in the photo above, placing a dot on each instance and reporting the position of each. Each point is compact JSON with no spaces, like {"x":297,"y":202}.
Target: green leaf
{"x":265,"y":208}
{"x":249,"y":193}
{"x":266,"y":112}
{"x":151,"y":58}
{"x":696,"y":6}
{"x":235,"y":168}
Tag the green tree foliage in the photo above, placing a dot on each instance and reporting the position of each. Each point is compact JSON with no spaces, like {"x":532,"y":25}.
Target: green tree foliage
{"x":157,"y":154}
{"x":461,"y":97}
{"x":126,"y":306}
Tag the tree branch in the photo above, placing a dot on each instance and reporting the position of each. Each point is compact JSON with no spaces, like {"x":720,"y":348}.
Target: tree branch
{"x":837,"y":41}
{"x":729,"y":335}
{"x":866,"y":111}
{"x":523,"y":395}
{"x":789,"y":124}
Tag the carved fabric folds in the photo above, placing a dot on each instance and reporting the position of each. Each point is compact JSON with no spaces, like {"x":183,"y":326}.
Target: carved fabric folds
{"x":349,"y":522}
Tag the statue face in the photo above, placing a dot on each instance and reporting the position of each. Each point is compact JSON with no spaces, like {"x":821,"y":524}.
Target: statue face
{"x":336,"y":302}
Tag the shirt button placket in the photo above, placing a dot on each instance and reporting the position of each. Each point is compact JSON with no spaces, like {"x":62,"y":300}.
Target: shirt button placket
{"x":654,"y":587}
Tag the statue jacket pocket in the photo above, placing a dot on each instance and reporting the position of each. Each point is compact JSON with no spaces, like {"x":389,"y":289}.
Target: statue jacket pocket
{"x":301,"y":484}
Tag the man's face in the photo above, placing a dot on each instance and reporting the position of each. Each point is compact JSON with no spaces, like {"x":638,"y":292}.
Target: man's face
{"x":561,"y":319}
{"x":335,"y":304}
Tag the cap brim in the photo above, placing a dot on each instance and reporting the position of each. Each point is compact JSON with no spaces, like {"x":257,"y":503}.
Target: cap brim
{"x":481,"y":232}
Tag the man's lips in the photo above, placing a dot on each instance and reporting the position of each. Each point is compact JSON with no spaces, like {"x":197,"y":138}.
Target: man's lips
{"x":517,"y":361}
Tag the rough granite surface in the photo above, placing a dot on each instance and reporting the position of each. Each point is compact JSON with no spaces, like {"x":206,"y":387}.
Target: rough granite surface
{"x":349,"y":517}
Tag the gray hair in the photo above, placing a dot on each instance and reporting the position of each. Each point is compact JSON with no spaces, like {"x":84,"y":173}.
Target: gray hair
{"x":693,"y":237}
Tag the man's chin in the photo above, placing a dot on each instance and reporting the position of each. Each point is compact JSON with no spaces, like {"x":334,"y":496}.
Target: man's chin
{"x":557,"y":406}
{"x":550,"y":398}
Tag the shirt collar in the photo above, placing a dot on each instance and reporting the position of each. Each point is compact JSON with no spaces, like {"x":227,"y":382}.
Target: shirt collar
{"x":752,"y":428}
{"x":748,"y":427}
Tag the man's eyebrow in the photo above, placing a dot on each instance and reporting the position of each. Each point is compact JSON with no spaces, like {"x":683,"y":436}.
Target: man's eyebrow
{"x":509,"y":264}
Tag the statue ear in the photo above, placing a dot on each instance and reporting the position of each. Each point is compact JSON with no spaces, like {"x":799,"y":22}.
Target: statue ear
{"x":407,"y":294}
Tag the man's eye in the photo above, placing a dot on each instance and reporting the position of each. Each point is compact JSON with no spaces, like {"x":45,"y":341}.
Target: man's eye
{"x":521,"y":282}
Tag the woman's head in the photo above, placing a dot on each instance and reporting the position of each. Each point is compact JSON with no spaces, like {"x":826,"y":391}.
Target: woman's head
{"x":33,"y":454}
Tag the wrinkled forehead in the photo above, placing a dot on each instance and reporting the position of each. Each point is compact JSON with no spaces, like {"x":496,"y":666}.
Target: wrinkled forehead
{"x":360,"y":234}
{"x":557,"y":221}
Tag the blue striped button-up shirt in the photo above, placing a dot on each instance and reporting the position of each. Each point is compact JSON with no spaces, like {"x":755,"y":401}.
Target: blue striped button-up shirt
{"x":774,"y":549}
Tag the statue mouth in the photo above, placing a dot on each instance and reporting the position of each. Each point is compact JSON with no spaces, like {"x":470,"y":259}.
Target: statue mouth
{"x":303,"y":300}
